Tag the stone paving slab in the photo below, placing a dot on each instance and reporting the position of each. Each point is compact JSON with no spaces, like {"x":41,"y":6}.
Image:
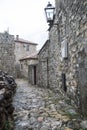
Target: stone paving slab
{"x":41,"y":109}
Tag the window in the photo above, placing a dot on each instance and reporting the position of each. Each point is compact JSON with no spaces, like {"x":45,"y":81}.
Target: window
{"x":21,"y":66}
{"x":64,"y":82}
{"x":27,"y":47}
{"x":24,"y":45}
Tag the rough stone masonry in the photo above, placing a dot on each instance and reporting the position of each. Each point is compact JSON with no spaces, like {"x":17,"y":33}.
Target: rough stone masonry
{"x":7,"y":89}
{"x":7,"y":57}
{"x":68,"y":74}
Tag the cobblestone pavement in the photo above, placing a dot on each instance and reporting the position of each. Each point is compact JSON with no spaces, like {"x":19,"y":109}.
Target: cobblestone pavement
{"x":41,"y":109}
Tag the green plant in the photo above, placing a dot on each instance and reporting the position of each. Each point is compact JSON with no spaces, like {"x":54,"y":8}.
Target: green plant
{"x":71,"y":115}
{"x":8,"y":125}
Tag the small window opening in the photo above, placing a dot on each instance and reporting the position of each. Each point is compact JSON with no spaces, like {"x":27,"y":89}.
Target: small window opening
{"x":21,"y":66}
{"x":64,"y":82}
{"x":27,"y":48}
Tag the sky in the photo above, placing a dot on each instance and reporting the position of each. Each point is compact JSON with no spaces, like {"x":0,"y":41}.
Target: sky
{"x":25,"y":18}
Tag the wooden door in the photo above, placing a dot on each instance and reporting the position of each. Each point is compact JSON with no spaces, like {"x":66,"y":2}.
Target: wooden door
{"x":34,"y":75}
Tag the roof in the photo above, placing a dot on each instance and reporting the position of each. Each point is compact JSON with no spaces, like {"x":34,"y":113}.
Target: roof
{"x":30,"y":57}
{"x":25,"y":41}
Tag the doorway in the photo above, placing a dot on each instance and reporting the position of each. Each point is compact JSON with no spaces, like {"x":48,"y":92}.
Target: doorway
{"x":34,"y":75}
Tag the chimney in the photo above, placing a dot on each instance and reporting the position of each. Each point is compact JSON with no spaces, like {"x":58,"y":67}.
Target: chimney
{"x":17,"y":37}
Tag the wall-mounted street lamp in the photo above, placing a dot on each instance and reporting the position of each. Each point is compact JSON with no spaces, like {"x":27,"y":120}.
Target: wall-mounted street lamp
{"x":50,"y":13}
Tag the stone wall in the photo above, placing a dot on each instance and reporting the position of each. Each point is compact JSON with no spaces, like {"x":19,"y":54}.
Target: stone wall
{"x":7,"y":89}
{"x":43,"y":76}
{"x":83,"y":79}
{"x":7,"y":57}
{"x":70,"y":31}
{"x":23,"y":49}
{"x":24,"y":66}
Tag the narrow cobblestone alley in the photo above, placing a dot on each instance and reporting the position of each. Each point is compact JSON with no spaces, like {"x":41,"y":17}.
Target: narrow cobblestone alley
{"x":40,"y":109}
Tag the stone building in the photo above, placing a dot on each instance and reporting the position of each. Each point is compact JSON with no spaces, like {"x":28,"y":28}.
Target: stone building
{"x":12,"y":50}
{"x":7,"y":57}
{"x":28,"y":67}
{"x":43,"y":72}
{"x":23,"y":48}
{"x":67,"y":52}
